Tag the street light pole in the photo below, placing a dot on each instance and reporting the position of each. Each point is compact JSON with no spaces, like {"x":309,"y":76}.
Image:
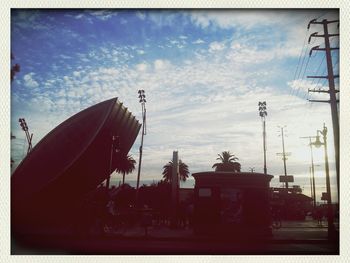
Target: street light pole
{"x":317,"y":143}
{"x":312,"y":171}
{"x":263,"y":114}
{"x":142,"y":98}
{"x":24,"y":127}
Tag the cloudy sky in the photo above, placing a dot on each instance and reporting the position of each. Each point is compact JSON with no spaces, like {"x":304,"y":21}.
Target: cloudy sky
{"x":203,"y":73}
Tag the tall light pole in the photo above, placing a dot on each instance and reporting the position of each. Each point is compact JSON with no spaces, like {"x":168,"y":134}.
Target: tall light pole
{"x":263,"y":114}
{"x":318,"y":143}
{"x":142,"y":98}
{"x":24,"y":127}
{"x":312,"y":171}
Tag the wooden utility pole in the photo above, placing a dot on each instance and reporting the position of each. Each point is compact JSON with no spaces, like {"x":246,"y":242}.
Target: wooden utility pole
{"x":332,"y":91}
{"x":284,"y":158}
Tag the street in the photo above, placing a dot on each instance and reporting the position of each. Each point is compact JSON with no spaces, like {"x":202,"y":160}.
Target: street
{"x":294,"y":238}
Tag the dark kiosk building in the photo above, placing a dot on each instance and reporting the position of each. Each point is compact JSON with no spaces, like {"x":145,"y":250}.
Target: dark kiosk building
{"x":232,"y":204}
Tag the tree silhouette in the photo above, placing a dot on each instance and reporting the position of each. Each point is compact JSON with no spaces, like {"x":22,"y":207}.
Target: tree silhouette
{"x":168,"y":171}
{"x":125,"y":165}
{"x":228,"y":163}
{"x":14,"y":69}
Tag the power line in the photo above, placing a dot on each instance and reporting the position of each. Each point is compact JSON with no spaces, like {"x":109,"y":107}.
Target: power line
{"x":301,"y":69}
{"x":301,"y":52}
{"x":295,"y":91}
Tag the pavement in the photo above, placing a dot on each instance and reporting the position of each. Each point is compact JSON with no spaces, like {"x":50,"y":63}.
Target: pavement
{"x":294,"y":237}
{"x":307,"y":230}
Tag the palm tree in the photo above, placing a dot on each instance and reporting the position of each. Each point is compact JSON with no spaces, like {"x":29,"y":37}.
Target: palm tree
{"x":168,"y":171}
{"x":228,"y":163}
{"x":126,"y":164}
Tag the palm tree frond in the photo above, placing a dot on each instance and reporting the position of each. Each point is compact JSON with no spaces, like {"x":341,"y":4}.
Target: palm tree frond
{"x":228,"y":162}
{"x":168,"y":171}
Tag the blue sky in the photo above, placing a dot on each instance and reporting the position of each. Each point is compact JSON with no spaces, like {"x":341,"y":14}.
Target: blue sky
{"x":203,"y":71}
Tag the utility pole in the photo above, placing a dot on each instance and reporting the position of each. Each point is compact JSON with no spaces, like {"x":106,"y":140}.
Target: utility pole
{"x":284,"y":158}
{"x":332,"y":91}
{"x":312,"y":170}
{"x":263,"y":114}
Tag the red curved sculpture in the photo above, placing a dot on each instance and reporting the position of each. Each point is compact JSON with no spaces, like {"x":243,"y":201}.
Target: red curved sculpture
{"x":70,"y":161}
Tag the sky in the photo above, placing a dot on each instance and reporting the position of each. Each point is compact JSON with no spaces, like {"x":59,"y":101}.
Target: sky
{"x":203,"y":72}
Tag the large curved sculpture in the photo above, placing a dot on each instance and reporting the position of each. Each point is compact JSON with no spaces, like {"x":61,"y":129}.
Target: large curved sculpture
{"x":70,"y":161}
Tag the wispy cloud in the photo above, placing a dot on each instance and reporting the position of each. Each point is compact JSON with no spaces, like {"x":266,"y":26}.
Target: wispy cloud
{"x":141,"y":15}
{"x":29,"y":81}
{"x":102,"y":14}
{"x":249,"y":19}
{"x":198,"y":41}
{"x":216,"y":46}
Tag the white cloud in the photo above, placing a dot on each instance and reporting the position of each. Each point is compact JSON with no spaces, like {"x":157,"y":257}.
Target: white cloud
{"x":162,"y":18}
{"x":216,"y":46}
{"x":263,"y":27}
{"x":29,"y":19}
{"x":65,"y":57}
{"x":198,"y":41}
{"x":141,"y":15}
{"x":244,"y":49}
{"x":29,"y":81}
{"x":161,"y":64}
{"x":76,"y":73}
{"x":249,"y":19}
{"x":102,"y":14}
{"x":108,"y":71}
{"x":79,"y":16}
{"x":301,"y":84}
{"x":140,"y":52}
{"x":142,"y":67}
